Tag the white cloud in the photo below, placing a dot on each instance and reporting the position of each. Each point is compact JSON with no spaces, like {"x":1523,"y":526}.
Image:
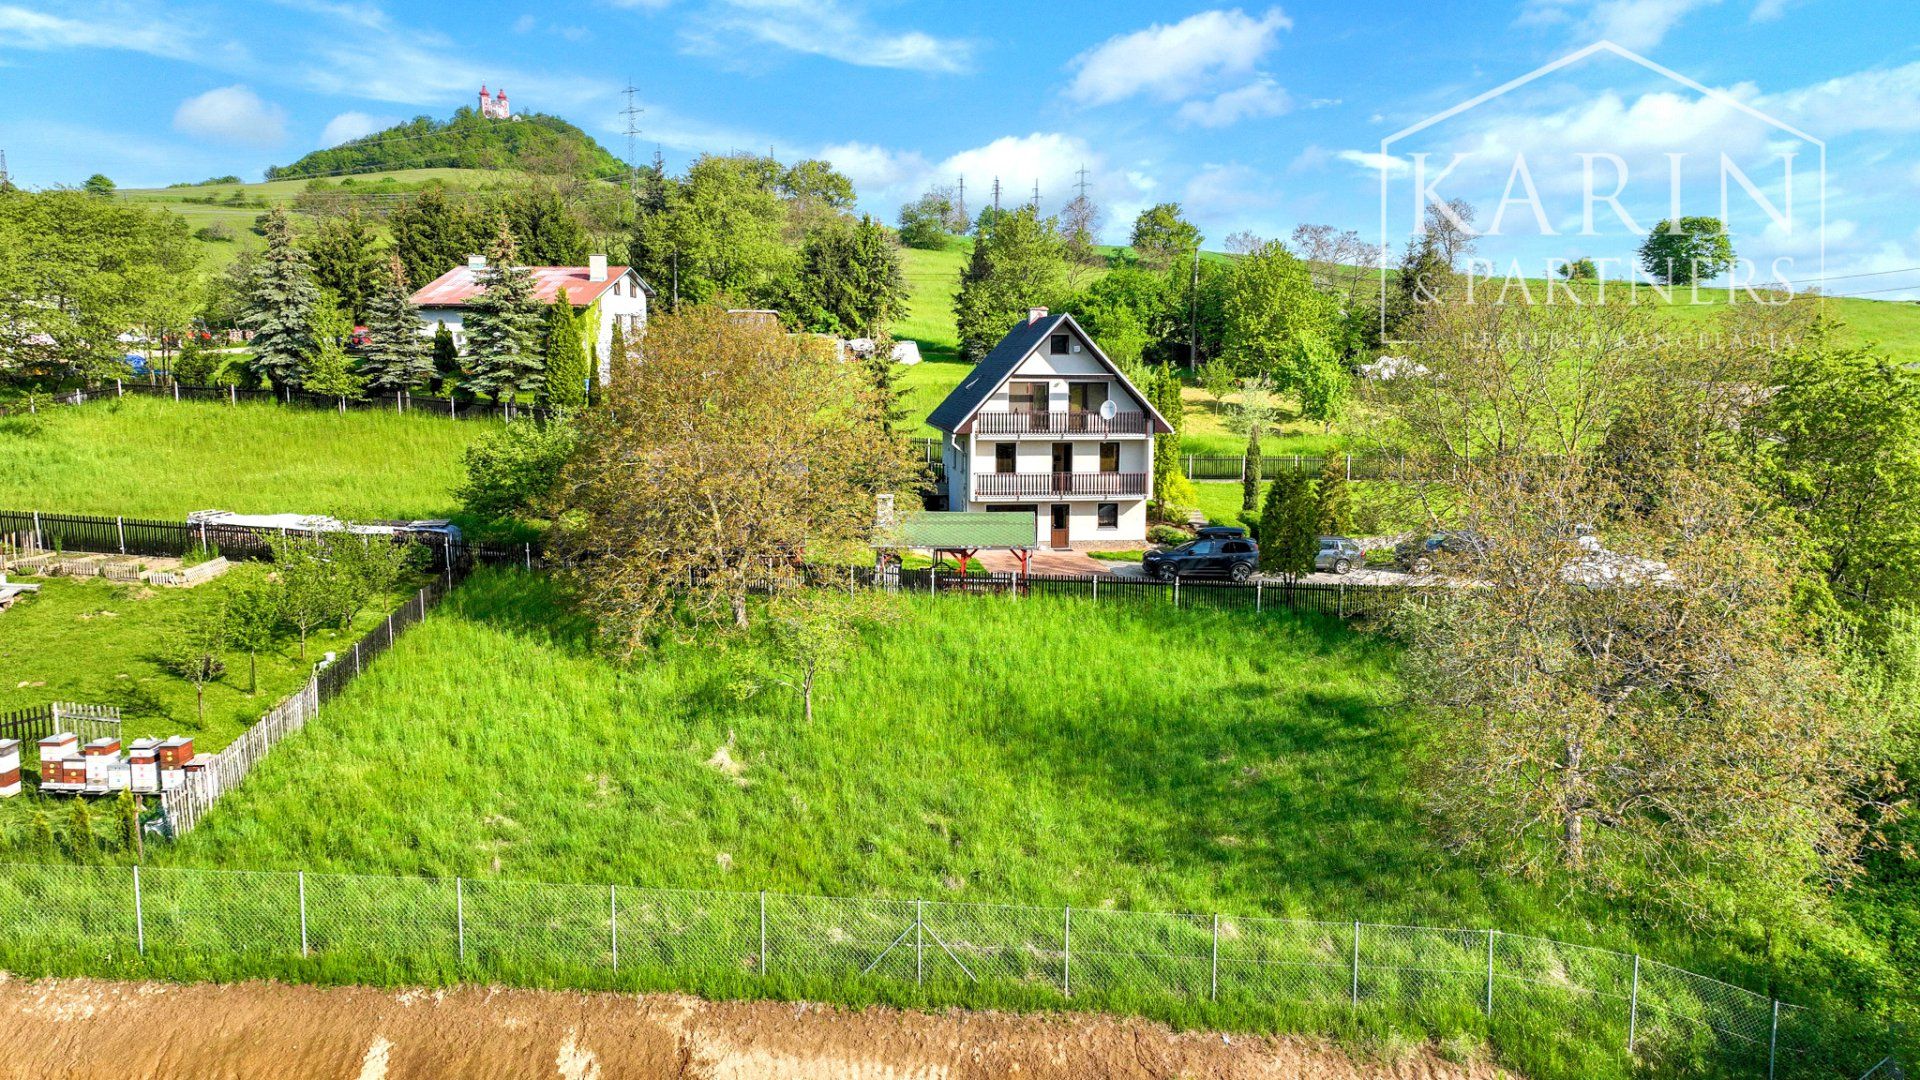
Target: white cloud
{"x":1219,"y":190}
{"x":232,"y":114}
{"x":114,"y":28}
{"x":1634,"y":24}
{"x":1879,"y":99}
{"x":1262,"y":97}
{"x":831,"y":28}
{"x":1172,"y":62}
{"x":351,"y":125}
{"x":874,"y":168}
{"x":1373,"y":161}
{"x":525,"y":24}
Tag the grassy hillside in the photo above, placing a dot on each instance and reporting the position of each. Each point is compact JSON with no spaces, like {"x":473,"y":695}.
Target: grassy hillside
{"x":146,"y":458}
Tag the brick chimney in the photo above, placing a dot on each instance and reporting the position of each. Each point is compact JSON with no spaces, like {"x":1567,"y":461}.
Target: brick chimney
{"x":1034,"y":315}
{"x":596,"y":268}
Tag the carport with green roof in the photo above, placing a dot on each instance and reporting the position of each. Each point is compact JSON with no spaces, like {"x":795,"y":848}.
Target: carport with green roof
{"x":962,"y":535}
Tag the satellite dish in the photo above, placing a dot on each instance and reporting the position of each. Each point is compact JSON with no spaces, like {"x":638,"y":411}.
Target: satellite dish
{"x":1108,"y":409}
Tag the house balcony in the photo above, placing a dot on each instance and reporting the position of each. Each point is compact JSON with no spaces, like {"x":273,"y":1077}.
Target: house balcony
{"x":1017,"y":487}
{"x":1066,"y":422}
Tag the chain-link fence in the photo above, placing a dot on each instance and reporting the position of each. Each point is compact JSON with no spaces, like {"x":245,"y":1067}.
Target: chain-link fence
{"x":553,"y":934}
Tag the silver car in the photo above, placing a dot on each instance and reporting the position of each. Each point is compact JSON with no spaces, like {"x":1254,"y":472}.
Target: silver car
{"x":1339,"y":555}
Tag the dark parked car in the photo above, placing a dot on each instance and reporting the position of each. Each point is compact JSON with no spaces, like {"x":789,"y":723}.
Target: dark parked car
{"x":1339,"y":555}
{"x":1234,"y":558}
{"x":1416,"y":556}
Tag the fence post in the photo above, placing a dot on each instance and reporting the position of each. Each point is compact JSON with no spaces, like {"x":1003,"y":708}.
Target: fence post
{"x":1066,"y":954}
{"x":1349,"y":466}
{"x":763,"y":933}
{"x":301,"y":877}
{"x":1176,"y":588}
{"x":1213,"y":980}
{"x":356,"y":659}
{"x":613,"y":922}
{"x":1633,"y":1005}
{"x":529,"y":547}
{"x":38,"y":541}
{"x":1356,"y":963}
{"x":460,"y":917}
{"x":1343,"y":599}
{"x":118,"y":389}
{"x":919,"y":950}
{"x":1490,"y":935}
{"x":1773,"y":1040}
{"x":1256,"y":595}
{"x":120,"y":526}
{"x":139,"y":917}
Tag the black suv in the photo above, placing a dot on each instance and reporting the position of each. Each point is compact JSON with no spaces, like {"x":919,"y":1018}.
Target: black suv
{"x":1416,"y":556}
{"x":1231,"y":557}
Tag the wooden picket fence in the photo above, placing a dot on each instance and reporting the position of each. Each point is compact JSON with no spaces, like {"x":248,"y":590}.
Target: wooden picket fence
{"x":36,"y":722}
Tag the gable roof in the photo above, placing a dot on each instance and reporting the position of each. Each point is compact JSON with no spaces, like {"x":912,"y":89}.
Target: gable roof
{"x":997,"y":366}
{"x":457,"y":287}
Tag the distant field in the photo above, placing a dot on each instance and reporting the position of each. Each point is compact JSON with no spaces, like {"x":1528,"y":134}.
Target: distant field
{"x":146,"y":458}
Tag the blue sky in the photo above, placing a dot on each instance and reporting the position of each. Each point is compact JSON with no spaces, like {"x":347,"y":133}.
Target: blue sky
{"x":1256,"y":118}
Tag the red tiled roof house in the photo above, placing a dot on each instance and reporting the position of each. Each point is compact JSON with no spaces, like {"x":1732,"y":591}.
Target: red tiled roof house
{"x":605,"y":296}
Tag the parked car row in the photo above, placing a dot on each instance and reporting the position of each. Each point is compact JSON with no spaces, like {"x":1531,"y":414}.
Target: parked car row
{"x":1226,"y":551}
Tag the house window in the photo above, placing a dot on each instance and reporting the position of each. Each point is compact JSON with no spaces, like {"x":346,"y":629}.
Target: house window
{"x":1086,"y":397}
{"x":1109,"y":457}
{"x":1109,"y":515}
{"x":1058,"y":346}
{"x":1003,"y":457}
{"x":1027,"y":397}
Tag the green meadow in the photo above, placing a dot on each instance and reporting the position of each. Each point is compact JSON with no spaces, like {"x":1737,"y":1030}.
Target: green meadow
{"x":140,"y":457}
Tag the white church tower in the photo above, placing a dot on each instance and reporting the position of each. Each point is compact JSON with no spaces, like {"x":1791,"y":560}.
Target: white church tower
{"x":494,"y":108}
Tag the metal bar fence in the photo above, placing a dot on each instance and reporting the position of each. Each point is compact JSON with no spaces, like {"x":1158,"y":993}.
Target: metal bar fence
{"x":489,"y":928}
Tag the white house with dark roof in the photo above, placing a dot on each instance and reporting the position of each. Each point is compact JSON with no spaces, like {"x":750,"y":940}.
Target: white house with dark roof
{"x":604,"y":296}
{"x":1046,"y":425}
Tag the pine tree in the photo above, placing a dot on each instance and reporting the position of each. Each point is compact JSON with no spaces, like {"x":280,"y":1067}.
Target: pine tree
{"x":396,"y":358}
{"x":81,"y":840}
{"x":127,"y":809}
{"x":446,"y":359}
{"x":566,"y":356}
{"x":331,"y":371}
{"x":617,"y":352}
{"x":279,"y":306}
{"x":503,"y":326}
{"x":1335,"y":502}
{"x":1289,"y":532}
{"x":1250,"y":473}
{"x":344,"y":260}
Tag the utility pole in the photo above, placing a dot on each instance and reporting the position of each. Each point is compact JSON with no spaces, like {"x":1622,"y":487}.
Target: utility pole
{"x":5,"y":180}
{"x":1193,"y":315}
{"x":1036,"y":196}
{"x":1080,"y":184}
{"x":632,"y":113}
{"x":959,"y":210}
{"x":996,"y":196}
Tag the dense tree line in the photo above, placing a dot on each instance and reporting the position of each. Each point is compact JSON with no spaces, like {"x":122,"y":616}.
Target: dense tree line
{"x":532,"y":141}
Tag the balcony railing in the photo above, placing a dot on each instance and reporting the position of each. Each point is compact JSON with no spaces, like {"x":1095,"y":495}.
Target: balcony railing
{"x":1069,"y":422}
{"x":1058,"y":485}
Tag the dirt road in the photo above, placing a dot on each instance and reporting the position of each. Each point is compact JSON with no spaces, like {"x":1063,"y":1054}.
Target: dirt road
{"x":87,"y":1028}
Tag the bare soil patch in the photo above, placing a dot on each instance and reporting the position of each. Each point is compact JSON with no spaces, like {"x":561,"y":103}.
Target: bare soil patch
{"x":96,"y":1028}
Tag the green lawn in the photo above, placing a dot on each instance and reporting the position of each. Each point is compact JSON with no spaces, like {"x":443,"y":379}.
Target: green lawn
{"x":146,"y":458}
{"x":90,"y":641}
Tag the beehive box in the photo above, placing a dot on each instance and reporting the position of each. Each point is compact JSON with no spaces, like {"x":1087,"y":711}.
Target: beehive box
{"x":176,"y":752}
{"x":9,"y":768}
{"x":58,"y":746}
{"x":119,"y":774}
{"x":143,"y":766}
{"x":199,"y":763}
{"x":63,"y":774}
{"x":99,"y":757}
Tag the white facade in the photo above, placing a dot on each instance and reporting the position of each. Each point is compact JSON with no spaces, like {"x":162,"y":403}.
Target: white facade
{"x":623,"y":303}
{"x":1063,"y":437}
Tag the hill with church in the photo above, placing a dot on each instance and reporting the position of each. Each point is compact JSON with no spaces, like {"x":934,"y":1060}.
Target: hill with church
{"x":488,"y":137}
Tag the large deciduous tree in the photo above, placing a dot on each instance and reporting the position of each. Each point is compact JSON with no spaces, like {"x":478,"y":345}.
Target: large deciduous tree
{"x":279,"y":306}
{"x":1163,"y":238}
{"x":1018,"y":262}
{"x":732,"y":454}
{"x":1687,"y":251}
{"x":1279,"y":324}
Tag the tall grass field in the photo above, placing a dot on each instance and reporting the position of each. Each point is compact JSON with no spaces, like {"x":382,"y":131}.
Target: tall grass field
{"x":980,"y":750}
{"x":142,"y":457}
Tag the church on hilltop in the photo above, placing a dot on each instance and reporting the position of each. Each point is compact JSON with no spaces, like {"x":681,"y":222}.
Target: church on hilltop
{"x":495,"y":107}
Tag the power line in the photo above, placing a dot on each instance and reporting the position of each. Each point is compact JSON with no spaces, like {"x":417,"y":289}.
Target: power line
{"x":1080,"y":186}
{"x":632,"y":113}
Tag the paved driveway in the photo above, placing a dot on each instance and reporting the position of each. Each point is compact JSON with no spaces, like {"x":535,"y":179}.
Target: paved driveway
{"x":1045,"y":562}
